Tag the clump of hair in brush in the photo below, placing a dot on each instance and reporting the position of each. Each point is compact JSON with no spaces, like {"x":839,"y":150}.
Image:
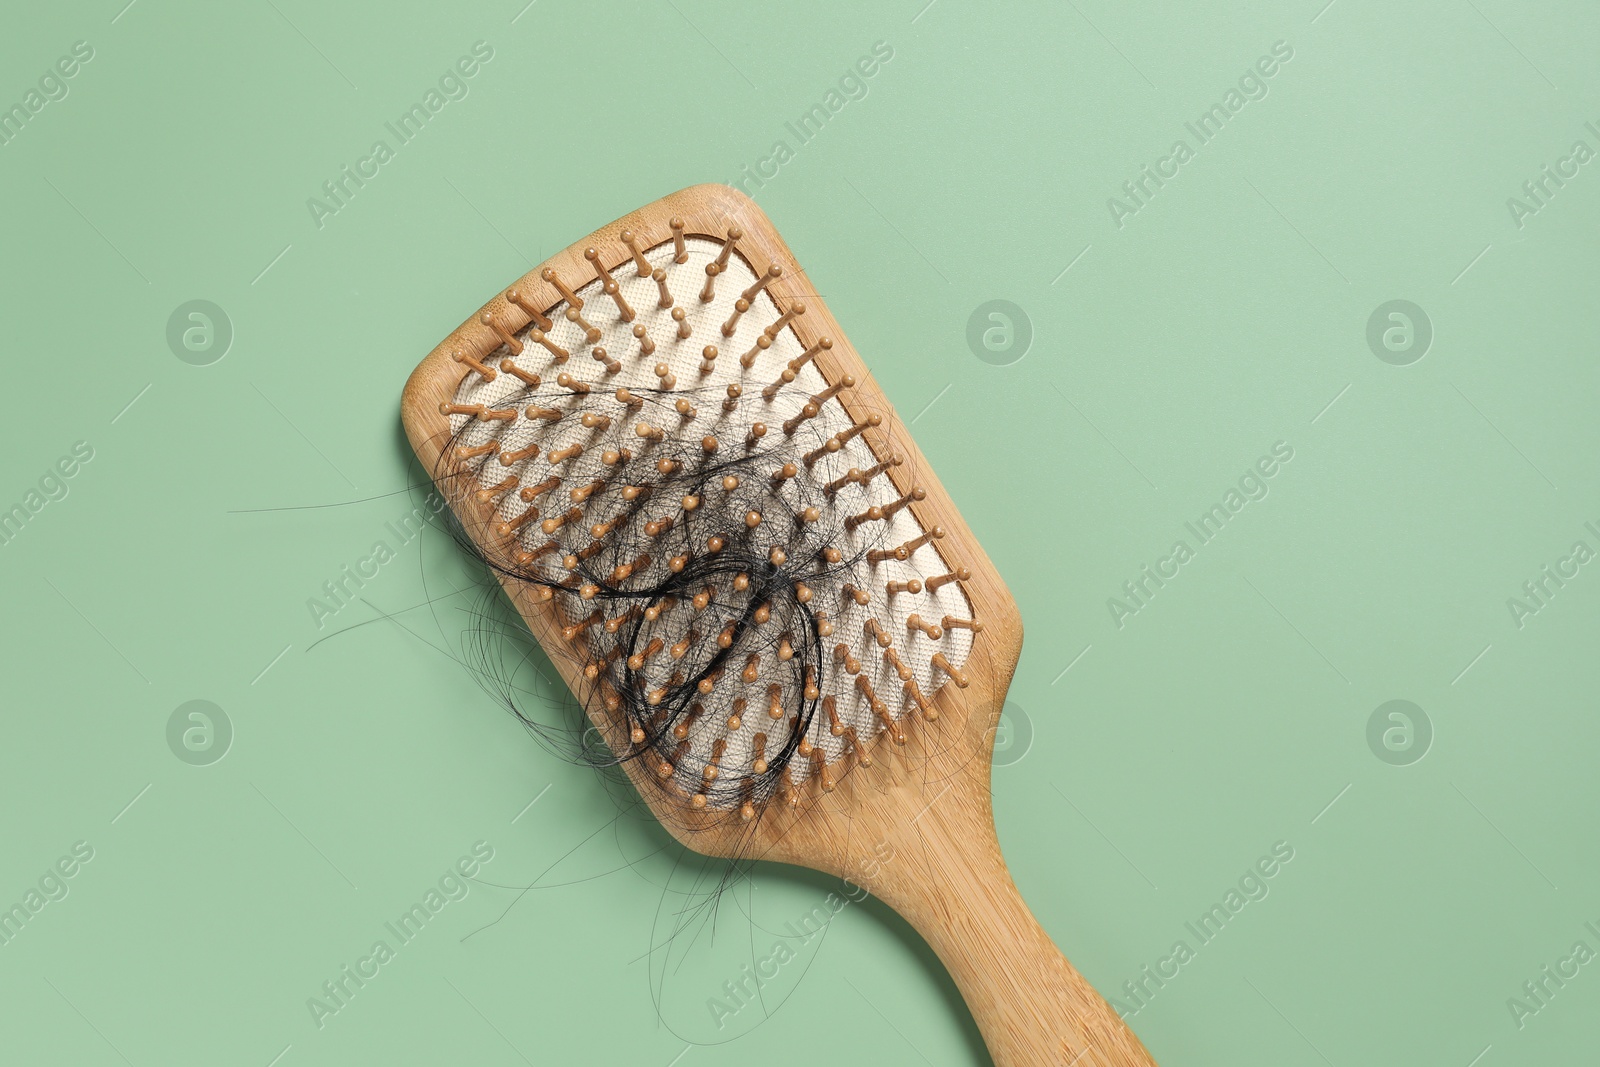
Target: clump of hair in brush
{"x":738,"y":579}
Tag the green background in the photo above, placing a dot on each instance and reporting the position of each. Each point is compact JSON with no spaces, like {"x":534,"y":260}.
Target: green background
{"x":1229,"y":313}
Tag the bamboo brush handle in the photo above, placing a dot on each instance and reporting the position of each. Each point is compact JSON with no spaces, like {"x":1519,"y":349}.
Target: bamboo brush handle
{"x":946,"y":877}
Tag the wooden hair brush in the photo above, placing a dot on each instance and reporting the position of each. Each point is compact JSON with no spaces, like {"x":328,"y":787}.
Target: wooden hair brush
{"x":728,"y":544}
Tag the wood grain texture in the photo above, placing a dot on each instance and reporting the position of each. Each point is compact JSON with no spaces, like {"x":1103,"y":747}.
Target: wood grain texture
{"x":916,"y":827}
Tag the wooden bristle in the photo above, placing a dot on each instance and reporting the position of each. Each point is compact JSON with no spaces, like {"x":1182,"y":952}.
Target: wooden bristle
{"x":956,"y":675}
{"x":501,"y":332}
{"x":709,"y":292}
{"x":511,"y":368}
{"x":628,"y":238}
{"x":590,"y":333}
{"x":646,"y":346}
{"x":484,"y":372}
{"x":567,"y":295}
{"x":511,"y":459}
{"x":903,"y":552}
{"x":794,"y":312}
{"x":748,"y":360}
{"x":535,"y":316}
{"x":538,"y":337}
{"x":601,"y":274}
{"x":823,"y":344}
{"x":614,"y":291}
{"x":774,"y":272}
{"x":680,"y":251}
{"x":734,"y":233}
{"x":960,"y":574}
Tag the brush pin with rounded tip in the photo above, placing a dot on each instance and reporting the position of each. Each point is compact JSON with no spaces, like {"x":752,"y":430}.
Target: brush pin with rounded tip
{"x":708,"y":292}
{"x":733,"y":236}
{"x":892,"y":658}
{"x":665,"y":300}
{"x":511,"y":526}
{"x":864,"y":477}
{"x":960,"y":574}
{"x":892,"y":508}
{"x":528,"y":378}
{"x":485,"y":372}
{"x":535,"y":316}
{"x":614,"y":291}
{"x":506,"y":337}
{"x":823,"y":344}
{"x":776,"y":387}
{"x":680,"y":251}
{"x":575,"y":386}
{"x":533,"y":492}
{"x":773,"y":273}
{"x":591,"y":335}
{"x":570,"y":298}
{"x":956,"y":674}
{"x":602,"y":275}
{"x":901,"y":553}
{"x":740,"y":306}
{"x":646,"y":346}
{"x":844,"y":382}
{"x":809,"y":410}
{"x":629,"y":238}
{"x":840,"y":439}
{"x":490,"y":494}
{"x":748,"y":360}
{"x":796,"y":309}
{"x":511,"y":459}
{"x":914,"y":691}
{"x":539,"y":337}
